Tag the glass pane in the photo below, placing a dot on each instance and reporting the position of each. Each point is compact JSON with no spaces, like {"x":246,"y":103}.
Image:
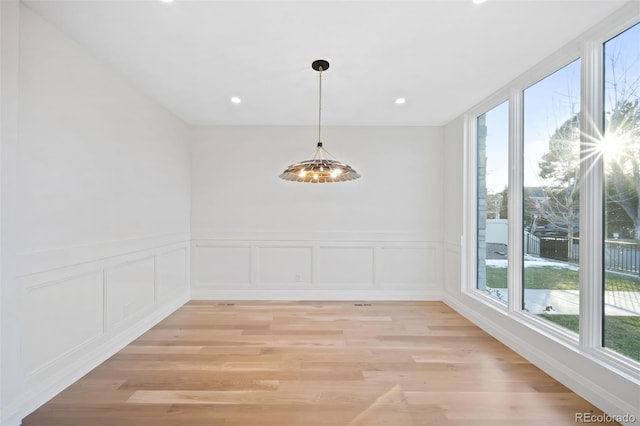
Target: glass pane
{"x":550,"y":197}
{"x":621,"y":150}
{"x":493,"y":178}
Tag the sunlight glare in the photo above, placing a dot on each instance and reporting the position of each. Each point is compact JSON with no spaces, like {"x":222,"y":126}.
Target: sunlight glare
{"x":611,"y":146}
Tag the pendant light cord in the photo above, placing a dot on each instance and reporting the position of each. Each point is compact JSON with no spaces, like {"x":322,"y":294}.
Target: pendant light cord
{"x":320,"y":105}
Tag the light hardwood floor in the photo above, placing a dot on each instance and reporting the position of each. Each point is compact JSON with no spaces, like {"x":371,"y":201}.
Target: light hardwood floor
{"x":314,"y":363}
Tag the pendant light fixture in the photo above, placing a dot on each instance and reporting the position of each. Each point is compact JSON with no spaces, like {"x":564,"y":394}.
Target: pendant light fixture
{"x":320,"y":169}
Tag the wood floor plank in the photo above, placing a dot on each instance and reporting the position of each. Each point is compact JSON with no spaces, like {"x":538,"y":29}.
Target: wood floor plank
{"x":232,"y":363}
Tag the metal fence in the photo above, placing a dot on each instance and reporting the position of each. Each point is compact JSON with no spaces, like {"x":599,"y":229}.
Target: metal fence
{"x":623,"y":256}
{"x":531,"y":244}
{"x":558,"y":248}
{"x":620,"y":256}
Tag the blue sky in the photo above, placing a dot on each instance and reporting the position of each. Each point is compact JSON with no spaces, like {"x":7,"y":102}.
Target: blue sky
{"x":547,"y":104}
{"x":550,"y":102}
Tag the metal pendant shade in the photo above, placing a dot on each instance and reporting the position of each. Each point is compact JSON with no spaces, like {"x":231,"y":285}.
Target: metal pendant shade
{"x":320,"y":169}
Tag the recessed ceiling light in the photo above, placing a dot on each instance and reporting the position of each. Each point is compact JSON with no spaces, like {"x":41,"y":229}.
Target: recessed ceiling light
{"x":400,"y":101}
{"x":235,"y":100}
{"x":166,"y":1}
{"x":479,"y":1}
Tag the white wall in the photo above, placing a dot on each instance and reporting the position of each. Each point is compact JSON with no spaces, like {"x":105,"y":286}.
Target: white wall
{"x":610,"y":390}
{"x":11,"y":378}
{"x":453,"y":177}
{"x":257,"y":236}
{"x":101,"y":216}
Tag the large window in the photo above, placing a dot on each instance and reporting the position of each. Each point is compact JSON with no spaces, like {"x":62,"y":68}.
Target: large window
{"x":621,"y":154}
{"x":556,"y":184}
{"x":551,"y":197}
{"x":493,"y":179}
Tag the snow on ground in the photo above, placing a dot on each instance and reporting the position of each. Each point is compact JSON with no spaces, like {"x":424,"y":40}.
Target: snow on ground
{"x":538,"y":301}
{"x":532,"y":262}
{"x":617,"y":303}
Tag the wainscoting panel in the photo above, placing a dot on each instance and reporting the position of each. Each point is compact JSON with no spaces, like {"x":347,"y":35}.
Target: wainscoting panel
{"x":223,"y":265}
{"x":171,"y":274}
{"x":259,"y":266}
{"x":279,"y":266}
{"x":409,"y":266}
{"x":452,"y":270}
{"x":340,"y":266}
{"x":79,"y":314}
{"x":130,"y":289}
{"x":60,"y":317}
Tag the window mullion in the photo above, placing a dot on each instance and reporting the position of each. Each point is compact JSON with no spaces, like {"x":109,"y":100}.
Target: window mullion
{"x":514,"y":280}
{"x":591,"y":198}
{"x":469,"y":262}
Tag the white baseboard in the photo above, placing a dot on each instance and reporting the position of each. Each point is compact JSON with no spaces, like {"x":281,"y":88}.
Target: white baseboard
{"x":43,"y":392}
{"x":575,"y":380}
{"x":315,"y":294}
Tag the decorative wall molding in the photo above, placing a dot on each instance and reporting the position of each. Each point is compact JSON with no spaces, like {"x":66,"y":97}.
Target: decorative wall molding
{"x":452,"y":271}
{"x":347,"y":237}
{"x":74,"y":305}
{"x":339,"y":266}
{"x":109,"y":252}
{"x":42,"y":389}
{"x":78,"y":315}
{"x":130,"y":288}
{"x":252,"y":267}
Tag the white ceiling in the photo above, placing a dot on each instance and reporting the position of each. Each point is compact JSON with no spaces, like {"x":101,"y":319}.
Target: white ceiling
{"x":442,"y":56}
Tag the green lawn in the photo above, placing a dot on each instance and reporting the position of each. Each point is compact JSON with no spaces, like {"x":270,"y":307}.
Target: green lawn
{"x":551,"y":278}
{"x":621,"y":334}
